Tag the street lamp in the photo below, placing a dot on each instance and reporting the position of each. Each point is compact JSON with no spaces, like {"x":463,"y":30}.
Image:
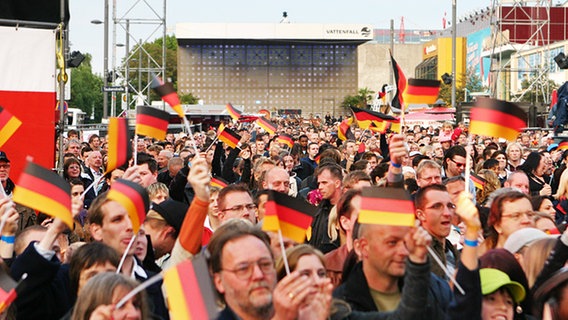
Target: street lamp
{"x":105,"y":61}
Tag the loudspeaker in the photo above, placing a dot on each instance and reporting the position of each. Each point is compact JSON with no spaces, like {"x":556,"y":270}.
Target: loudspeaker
{"x":561,"y":61}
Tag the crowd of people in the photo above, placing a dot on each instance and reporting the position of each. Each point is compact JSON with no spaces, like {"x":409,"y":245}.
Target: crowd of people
{"x":489,"y":247}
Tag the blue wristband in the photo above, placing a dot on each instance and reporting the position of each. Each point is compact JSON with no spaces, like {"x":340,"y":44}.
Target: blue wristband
{"x":8,"y":239}
{"x":470,"y":243}
{"x":396,"y":165}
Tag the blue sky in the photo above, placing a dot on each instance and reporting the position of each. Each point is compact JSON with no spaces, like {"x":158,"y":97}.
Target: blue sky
{"x":418,"y":14}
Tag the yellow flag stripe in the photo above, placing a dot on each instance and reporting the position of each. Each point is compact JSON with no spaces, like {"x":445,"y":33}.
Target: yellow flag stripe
{"x":386,"y":218}
{"x":8,"y":130}
{"x":493,"y":130}
{"x":293,"y":232}
{"x":175,"y":296}
{"x":150,"y":131}
{"x":44,"y":204}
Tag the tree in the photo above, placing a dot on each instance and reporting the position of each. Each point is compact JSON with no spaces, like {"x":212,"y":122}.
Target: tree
{"x":536,"y":92}
{"x":446,"y":93}
{"x":151,"y":58}
{"x":361,"y":100}
{"x":86,"y":93}
{"x":188,"y":98}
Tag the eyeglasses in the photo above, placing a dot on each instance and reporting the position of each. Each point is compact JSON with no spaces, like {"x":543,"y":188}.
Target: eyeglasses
{"x":439,"y":206}
{"x":5,"y":166}
{"x":458,"y":164}
{"x":517,"y":215}
{"x":239,"y":208}
{"x":245,"y":270}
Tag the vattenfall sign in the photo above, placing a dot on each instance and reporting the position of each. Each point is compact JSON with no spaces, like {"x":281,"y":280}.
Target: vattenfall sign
{"x":362,"y":32}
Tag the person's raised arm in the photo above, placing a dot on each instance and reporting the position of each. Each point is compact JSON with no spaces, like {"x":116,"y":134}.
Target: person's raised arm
{"x":192,"y":227}
{"x":397,"y":152}
{"x":8,"y":212}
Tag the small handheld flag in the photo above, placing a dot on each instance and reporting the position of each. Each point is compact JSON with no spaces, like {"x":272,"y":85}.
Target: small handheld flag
{"x":286,"y":139}
{"x":290,"y":215}
{"x":119,"y":147}
{"x":167,"y":92}
{"x":386,"y":206}
{"x":344,"y":130}
{"x":8,"y":125}
{"x":478,"y":181}
{"x":421,"y":91}
{"x":7,"y":290}
{"x":266,"y":125}
{"x":218,"y":182}
{"x":152,"y":122}
{"x":43,"y":190}
{"x":497,"y":118}
{"x":233,"y":112}
{"x":229,"y":137}
{"x":134,"y":198}
{"x":189,"y":290}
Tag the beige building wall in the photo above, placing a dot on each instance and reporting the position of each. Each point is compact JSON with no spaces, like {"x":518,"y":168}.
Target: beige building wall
{"x":374,"y":63}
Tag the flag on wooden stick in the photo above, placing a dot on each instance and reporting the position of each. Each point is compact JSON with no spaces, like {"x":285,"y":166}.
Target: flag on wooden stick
{"x":167,"y":92}
{"x":386,"y":206}
{"x":230,"y":137}
{"x":497,"y":118}
{"x":134,"y":198}
{"x":119,"y":147}
{"x":152,"y":122}
{"x":421,"y":91}
{"x":233,"y":112}
{"x":290,"y":215}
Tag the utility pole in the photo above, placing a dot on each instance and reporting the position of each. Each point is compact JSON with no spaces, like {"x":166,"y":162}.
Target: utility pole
{"x":454,"y":30}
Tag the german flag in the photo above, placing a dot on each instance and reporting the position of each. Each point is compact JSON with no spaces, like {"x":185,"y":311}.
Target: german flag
{"x":386,"y":206}
{"x":233,"y":112}
{"x":221,"y":128}
{"x":379,"y":127}
{"x":168,"y":94}
{"x":152,"y":122}
{"x":134,"y":198}
{"x":43,"y":190}
{"x":7,"y":290}
{"x":286,"y":139}
{"x":230,"y":137}
{"x":400,"y":80}
{"x":344,"y":130}
{"x":496,"y":118}
{"x":8,"y":125}
{"x":189,"y":290}
{"x":218,"y":182}
{"x":119,"y":147}
{"x":367,"y":118}
{"x":563,"y":145}
{"x":266,"y":125}
{"x":290,"y":215}
{"x":478,"y":181}
{"x":421,"y":91}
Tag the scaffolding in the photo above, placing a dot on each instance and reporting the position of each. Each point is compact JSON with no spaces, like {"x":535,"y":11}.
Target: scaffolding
{"x":519,"y":27}
{"x":136,"y":23}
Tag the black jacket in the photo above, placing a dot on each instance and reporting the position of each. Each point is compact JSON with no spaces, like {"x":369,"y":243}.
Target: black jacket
{"x":320,"y":239}
{"x":355,"y":291}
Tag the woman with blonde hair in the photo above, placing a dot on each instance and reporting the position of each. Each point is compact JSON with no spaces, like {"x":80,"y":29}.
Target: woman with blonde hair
{"x":492,"y":183}
{"x":534,"y":257}
{"x":561,"y":197}
{"x":102,"y":292}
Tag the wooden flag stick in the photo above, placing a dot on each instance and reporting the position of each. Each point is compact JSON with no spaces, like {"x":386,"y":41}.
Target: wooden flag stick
{"x":284,"y":257}
{"x":125,"y":253}
{"x":139,"y":288}
{"x":468,"y":162}
{"x":446,"y":271}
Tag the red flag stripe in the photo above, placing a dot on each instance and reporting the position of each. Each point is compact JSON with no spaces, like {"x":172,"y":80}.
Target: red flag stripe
{"x":497,"y":117}
{"x":422,"y":91}
{"x":152,"y":121}
{"x":289,"y":215}
{"x":388,"y":205}
{"x":40,"y":186}
{"x":192,"y":292}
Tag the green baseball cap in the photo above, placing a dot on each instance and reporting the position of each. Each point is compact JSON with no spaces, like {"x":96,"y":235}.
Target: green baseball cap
{"x":493,"y":279}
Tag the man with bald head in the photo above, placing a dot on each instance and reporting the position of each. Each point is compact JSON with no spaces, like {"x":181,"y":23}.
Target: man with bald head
{"x":519,"y":180}
{"x":278,"y":179}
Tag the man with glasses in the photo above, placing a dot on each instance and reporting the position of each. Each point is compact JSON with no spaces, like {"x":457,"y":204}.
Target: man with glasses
{"x":435,"y":210}
{"x":428,"y":173}
{"x":243,"y":271}
{"x":235,"y":201}
{"x":28,"y":216}
{"x":454,"y":165}
{"x":7,"y":183}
